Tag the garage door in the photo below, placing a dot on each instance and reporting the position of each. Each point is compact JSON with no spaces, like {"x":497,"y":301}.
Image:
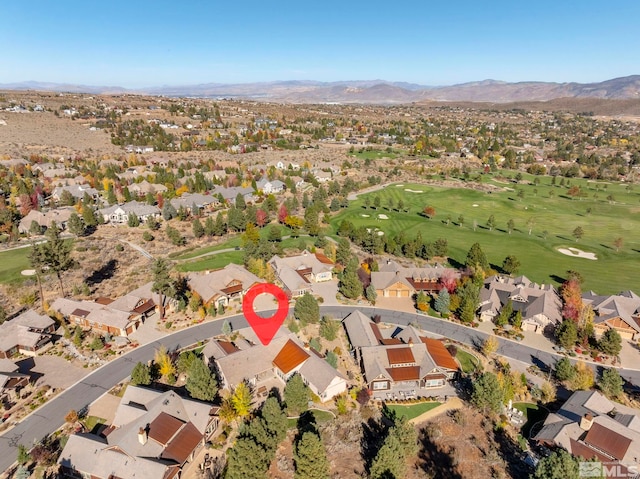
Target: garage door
{"x":404,"y":293}
{"x":625,"y":334}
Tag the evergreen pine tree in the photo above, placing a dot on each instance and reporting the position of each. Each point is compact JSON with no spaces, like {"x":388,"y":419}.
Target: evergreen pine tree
{"x":441,"y":304}
{"x":201,"y":382}
{"x":140,"y":375}
{"x":311,"y":458}
{"x":390,"y":460}
{"x":296,"y":395}
{"x":75,"y":225}
{"x":209,"y":226}
{"x":198,"y":229}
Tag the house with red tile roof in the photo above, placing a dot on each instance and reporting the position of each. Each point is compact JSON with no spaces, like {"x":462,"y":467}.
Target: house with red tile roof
{"x":404,"y":360}
{"x":590,"y":426}
{"x":246,"y":359}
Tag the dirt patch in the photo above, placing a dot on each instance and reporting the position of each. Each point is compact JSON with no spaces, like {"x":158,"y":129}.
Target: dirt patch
{"x":465,"y":445}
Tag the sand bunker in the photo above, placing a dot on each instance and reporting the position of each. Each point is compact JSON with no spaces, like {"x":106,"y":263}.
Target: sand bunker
{"x":399,"y":186}
{"x":475,"y":204}
{"x":28,"y":272}
{"x":380,"y":233}
{"x":578,"y":253}
{"x":383,"y":217}
{"x":365,"y":216}
{"x":413,"y":191}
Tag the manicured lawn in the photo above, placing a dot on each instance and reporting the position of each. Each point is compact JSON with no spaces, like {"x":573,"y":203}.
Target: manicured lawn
{"x":547,"y":206}
{"x":373,"y":154}
{"x":232,"y":243}
{"x":533,"y":413}
{"x":414,"y":410}
{"x":222,"y":259}
{"x":212,"y":262}
{"x":13,"y":262}
{"x":467,"y":361}
{"x":319,"y":417}
{"x":93,"y":423}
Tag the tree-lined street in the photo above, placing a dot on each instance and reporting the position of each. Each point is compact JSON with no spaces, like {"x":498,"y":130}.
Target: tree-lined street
{"x":48,"y":418}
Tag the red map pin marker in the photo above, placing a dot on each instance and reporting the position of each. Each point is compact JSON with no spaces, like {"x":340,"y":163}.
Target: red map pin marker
{"x":265,"y":328}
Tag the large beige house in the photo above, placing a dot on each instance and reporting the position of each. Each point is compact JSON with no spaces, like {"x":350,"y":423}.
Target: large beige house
{"x":619,"y":311}
{"x":297,"y":273}
{"x":404,"y":363}
{"x":590,"y":426}
{"x":221,"y":286}
{"x":247,"y":359}
{"x":396,"y":281}
{"x":152,"y":436}
{"x":539,"y":304}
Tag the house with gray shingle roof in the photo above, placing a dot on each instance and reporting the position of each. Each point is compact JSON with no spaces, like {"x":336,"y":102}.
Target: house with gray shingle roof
{"x":119,"y":214}
{"x":247,"y":359}
{"x":59,"y":216}
{"x":229,"y":194}
{"x":540,"y":305}
{"x":202,"y":202}
{"x":296,"y":273}
{"x":153,"y":435}
{"x":590,"y":426}
{"x":269,"y":187}
{"x":28,"y":334}
{"x":394,"y":280}
{"x":77,"y":191}
{"x":223,"y":285}
{"x":619,"y":311}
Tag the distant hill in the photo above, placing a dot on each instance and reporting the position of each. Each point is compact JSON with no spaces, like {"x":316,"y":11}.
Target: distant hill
{"x":373,"y":91}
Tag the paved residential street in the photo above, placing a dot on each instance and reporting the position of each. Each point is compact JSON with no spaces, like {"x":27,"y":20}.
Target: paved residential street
{"x":50,"y":416}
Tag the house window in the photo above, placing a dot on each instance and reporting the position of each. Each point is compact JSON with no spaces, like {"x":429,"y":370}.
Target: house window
{"x":432,"y":383}
{"x":379,"y":385}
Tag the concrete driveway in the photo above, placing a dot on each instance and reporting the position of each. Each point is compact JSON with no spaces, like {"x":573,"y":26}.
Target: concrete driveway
{"x":327,"y":290}
{"x":55,"y":371}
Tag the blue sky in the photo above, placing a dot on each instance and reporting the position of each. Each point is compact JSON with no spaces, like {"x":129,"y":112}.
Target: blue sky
{"x":142,"y":43}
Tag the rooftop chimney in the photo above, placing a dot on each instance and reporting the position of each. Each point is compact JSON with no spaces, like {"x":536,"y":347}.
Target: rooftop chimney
{"x":142,"y":436}
{"x":586,"y":422}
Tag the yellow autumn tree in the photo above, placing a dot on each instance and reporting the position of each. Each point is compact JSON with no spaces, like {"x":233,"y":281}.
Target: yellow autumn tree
{"x":182,"y":190}
{"x":166,"y":368}
{"x":584,"y":378}
{"x":490,"y":346}
{"x":241,"y":399}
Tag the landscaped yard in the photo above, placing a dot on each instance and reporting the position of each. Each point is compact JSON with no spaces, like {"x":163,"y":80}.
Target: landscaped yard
{"x":215,"y":261}
{"x":93,"y":423}
{"x":468,"y":362}
{"x":220,"y":260}
{"x":547,"y":210}
{"x":232,"y":243}
{"x":533,"y":413}
{"x":319,"y":415}
{"x":414,"y":410}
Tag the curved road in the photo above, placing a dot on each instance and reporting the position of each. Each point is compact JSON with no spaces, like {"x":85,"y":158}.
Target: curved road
{"x":50,"y":417}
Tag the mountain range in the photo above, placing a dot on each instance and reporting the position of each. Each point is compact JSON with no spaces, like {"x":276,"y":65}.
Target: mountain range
{"x":370,"y":91}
